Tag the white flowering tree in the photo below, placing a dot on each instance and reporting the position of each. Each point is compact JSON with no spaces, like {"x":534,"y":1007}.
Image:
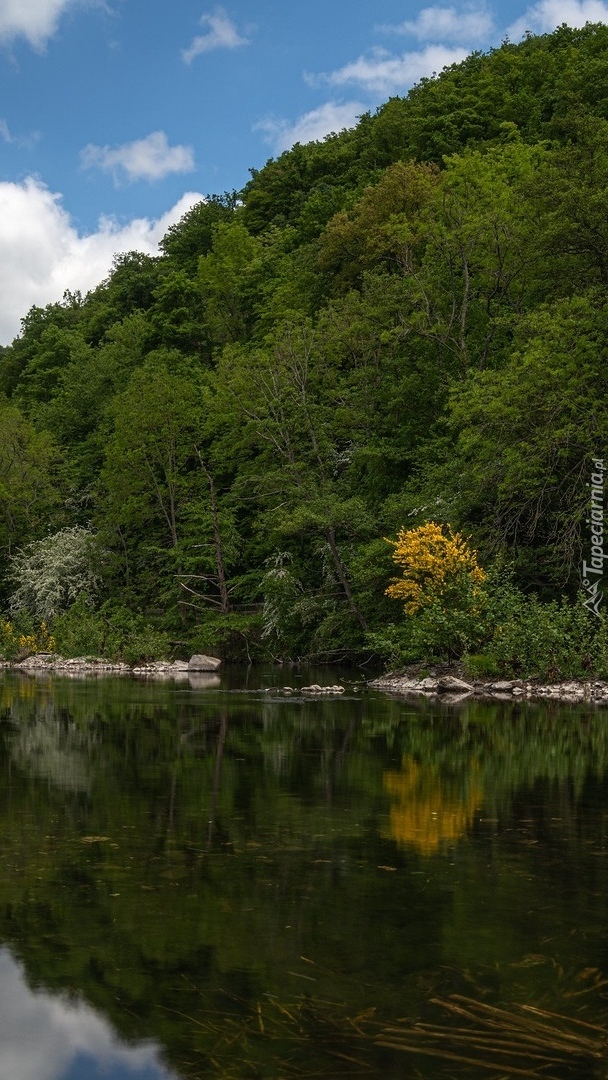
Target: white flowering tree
{"x":51,"y":574}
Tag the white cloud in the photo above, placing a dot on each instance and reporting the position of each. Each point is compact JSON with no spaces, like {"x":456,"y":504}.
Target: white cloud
{"x":143,"y":159}
{"x":25,"y":142}
{"x":547,"y":14}
{"x":383,"y":73}
{"x":35,"y":20}
{"x":41,"y":1035}
{"x":222,"y":34}
{"x":312,"y":126}
{"x":447,"y":24}
{"x":42,"y":253}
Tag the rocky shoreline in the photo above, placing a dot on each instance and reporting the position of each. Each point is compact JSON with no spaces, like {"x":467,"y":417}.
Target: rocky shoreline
{"x":452,"y":689}
{"x":39,"y":663}
{"x":444,"y":687}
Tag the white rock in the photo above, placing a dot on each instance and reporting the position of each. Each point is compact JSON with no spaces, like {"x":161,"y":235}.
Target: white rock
{"x":199,"y":662}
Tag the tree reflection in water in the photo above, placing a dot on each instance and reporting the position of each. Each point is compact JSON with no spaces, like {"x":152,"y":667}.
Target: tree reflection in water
{"x":428,"y":810}
{"x":253,"y":882}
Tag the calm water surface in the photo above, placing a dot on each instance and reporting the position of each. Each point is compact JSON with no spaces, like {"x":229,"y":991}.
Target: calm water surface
{"x":212,"y":880}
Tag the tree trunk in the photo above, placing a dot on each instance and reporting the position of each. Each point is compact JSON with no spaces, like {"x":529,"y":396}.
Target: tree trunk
{"x":217,"y":537}
{"x":330,"y":536}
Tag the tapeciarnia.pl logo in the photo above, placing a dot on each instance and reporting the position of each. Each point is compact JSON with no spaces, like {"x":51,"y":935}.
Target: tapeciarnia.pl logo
{"x":593,"y":571}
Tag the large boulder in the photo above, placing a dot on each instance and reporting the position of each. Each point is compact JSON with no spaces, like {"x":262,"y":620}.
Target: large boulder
{"x":449,"y":684}
{"x":203,"y":663}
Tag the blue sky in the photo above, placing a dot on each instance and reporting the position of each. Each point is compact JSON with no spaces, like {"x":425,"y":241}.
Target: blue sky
{"x":117,"y":115}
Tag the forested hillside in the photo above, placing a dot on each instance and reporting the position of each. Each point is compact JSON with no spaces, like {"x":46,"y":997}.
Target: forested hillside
{"x":404,"y":324}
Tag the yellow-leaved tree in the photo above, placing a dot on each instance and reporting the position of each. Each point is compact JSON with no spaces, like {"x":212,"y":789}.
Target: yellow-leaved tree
{"x":434,"y":564}
{"x":442,"y":586}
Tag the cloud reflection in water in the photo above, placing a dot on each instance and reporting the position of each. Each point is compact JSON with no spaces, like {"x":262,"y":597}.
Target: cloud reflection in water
{"x":46,"y":1037}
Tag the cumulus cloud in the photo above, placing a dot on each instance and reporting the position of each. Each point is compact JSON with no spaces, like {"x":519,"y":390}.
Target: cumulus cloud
{"x":35,"y":20}
{"x":544,"y":16}
{"x":143,"y":159}
{"x":468,"y":25}
{"x":42,"y":254}
{"x":380,"y":72}
{"x":222,"y":34}
{"x":312,"y":126}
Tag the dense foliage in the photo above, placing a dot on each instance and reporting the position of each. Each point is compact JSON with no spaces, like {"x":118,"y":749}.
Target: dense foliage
{"x":405,"y":323}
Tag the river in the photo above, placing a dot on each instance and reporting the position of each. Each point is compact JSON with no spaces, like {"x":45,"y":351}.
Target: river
{"x":215,"y":879}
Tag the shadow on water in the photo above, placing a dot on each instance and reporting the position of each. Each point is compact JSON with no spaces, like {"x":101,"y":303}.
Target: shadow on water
{"x":242,"y":882}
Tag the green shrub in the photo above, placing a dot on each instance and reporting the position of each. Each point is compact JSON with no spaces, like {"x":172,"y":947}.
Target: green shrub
{"x":550,"y":640}
{"x":234,"y":637}
{"x":145,"y":643}
{"x":111,"y":631}
{"x":389,"y":644}
{"x":504,"y":632}
{"x":21,"y":636}
{"x":480,"y":666}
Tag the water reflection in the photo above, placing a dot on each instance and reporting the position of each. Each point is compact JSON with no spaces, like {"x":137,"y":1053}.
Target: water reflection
{"x":240,"y":878}
{"x":53,"y":750}
{"x":48,"y":1037}
{"x":428,"y":811}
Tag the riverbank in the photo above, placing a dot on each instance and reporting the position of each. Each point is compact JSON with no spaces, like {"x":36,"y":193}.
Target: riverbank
{"x":452,"y":688}
{"x":38,"y":663}
{"x":447,"y":685}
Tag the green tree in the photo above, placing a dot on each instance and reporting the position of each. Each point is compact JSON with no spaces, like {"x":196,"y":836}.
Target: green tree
{"x":153,"y":438}
{"x":192,"y":236}
{"x":526,"y":435}
{"x":285,"y":398}
{"x":229,"y":278}
{"x":30,"y":479}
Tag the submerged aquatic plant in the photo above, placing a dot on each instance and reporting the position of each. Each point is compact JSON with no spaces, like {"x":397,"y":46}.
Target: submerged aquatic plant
{"x":306,"y":1036}
{"x":522,"y":1040}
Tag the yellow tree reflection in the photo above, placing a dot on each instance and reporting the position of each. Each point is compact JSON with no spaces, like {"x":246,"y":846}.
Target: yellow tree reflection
{"x":427,"y":812}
